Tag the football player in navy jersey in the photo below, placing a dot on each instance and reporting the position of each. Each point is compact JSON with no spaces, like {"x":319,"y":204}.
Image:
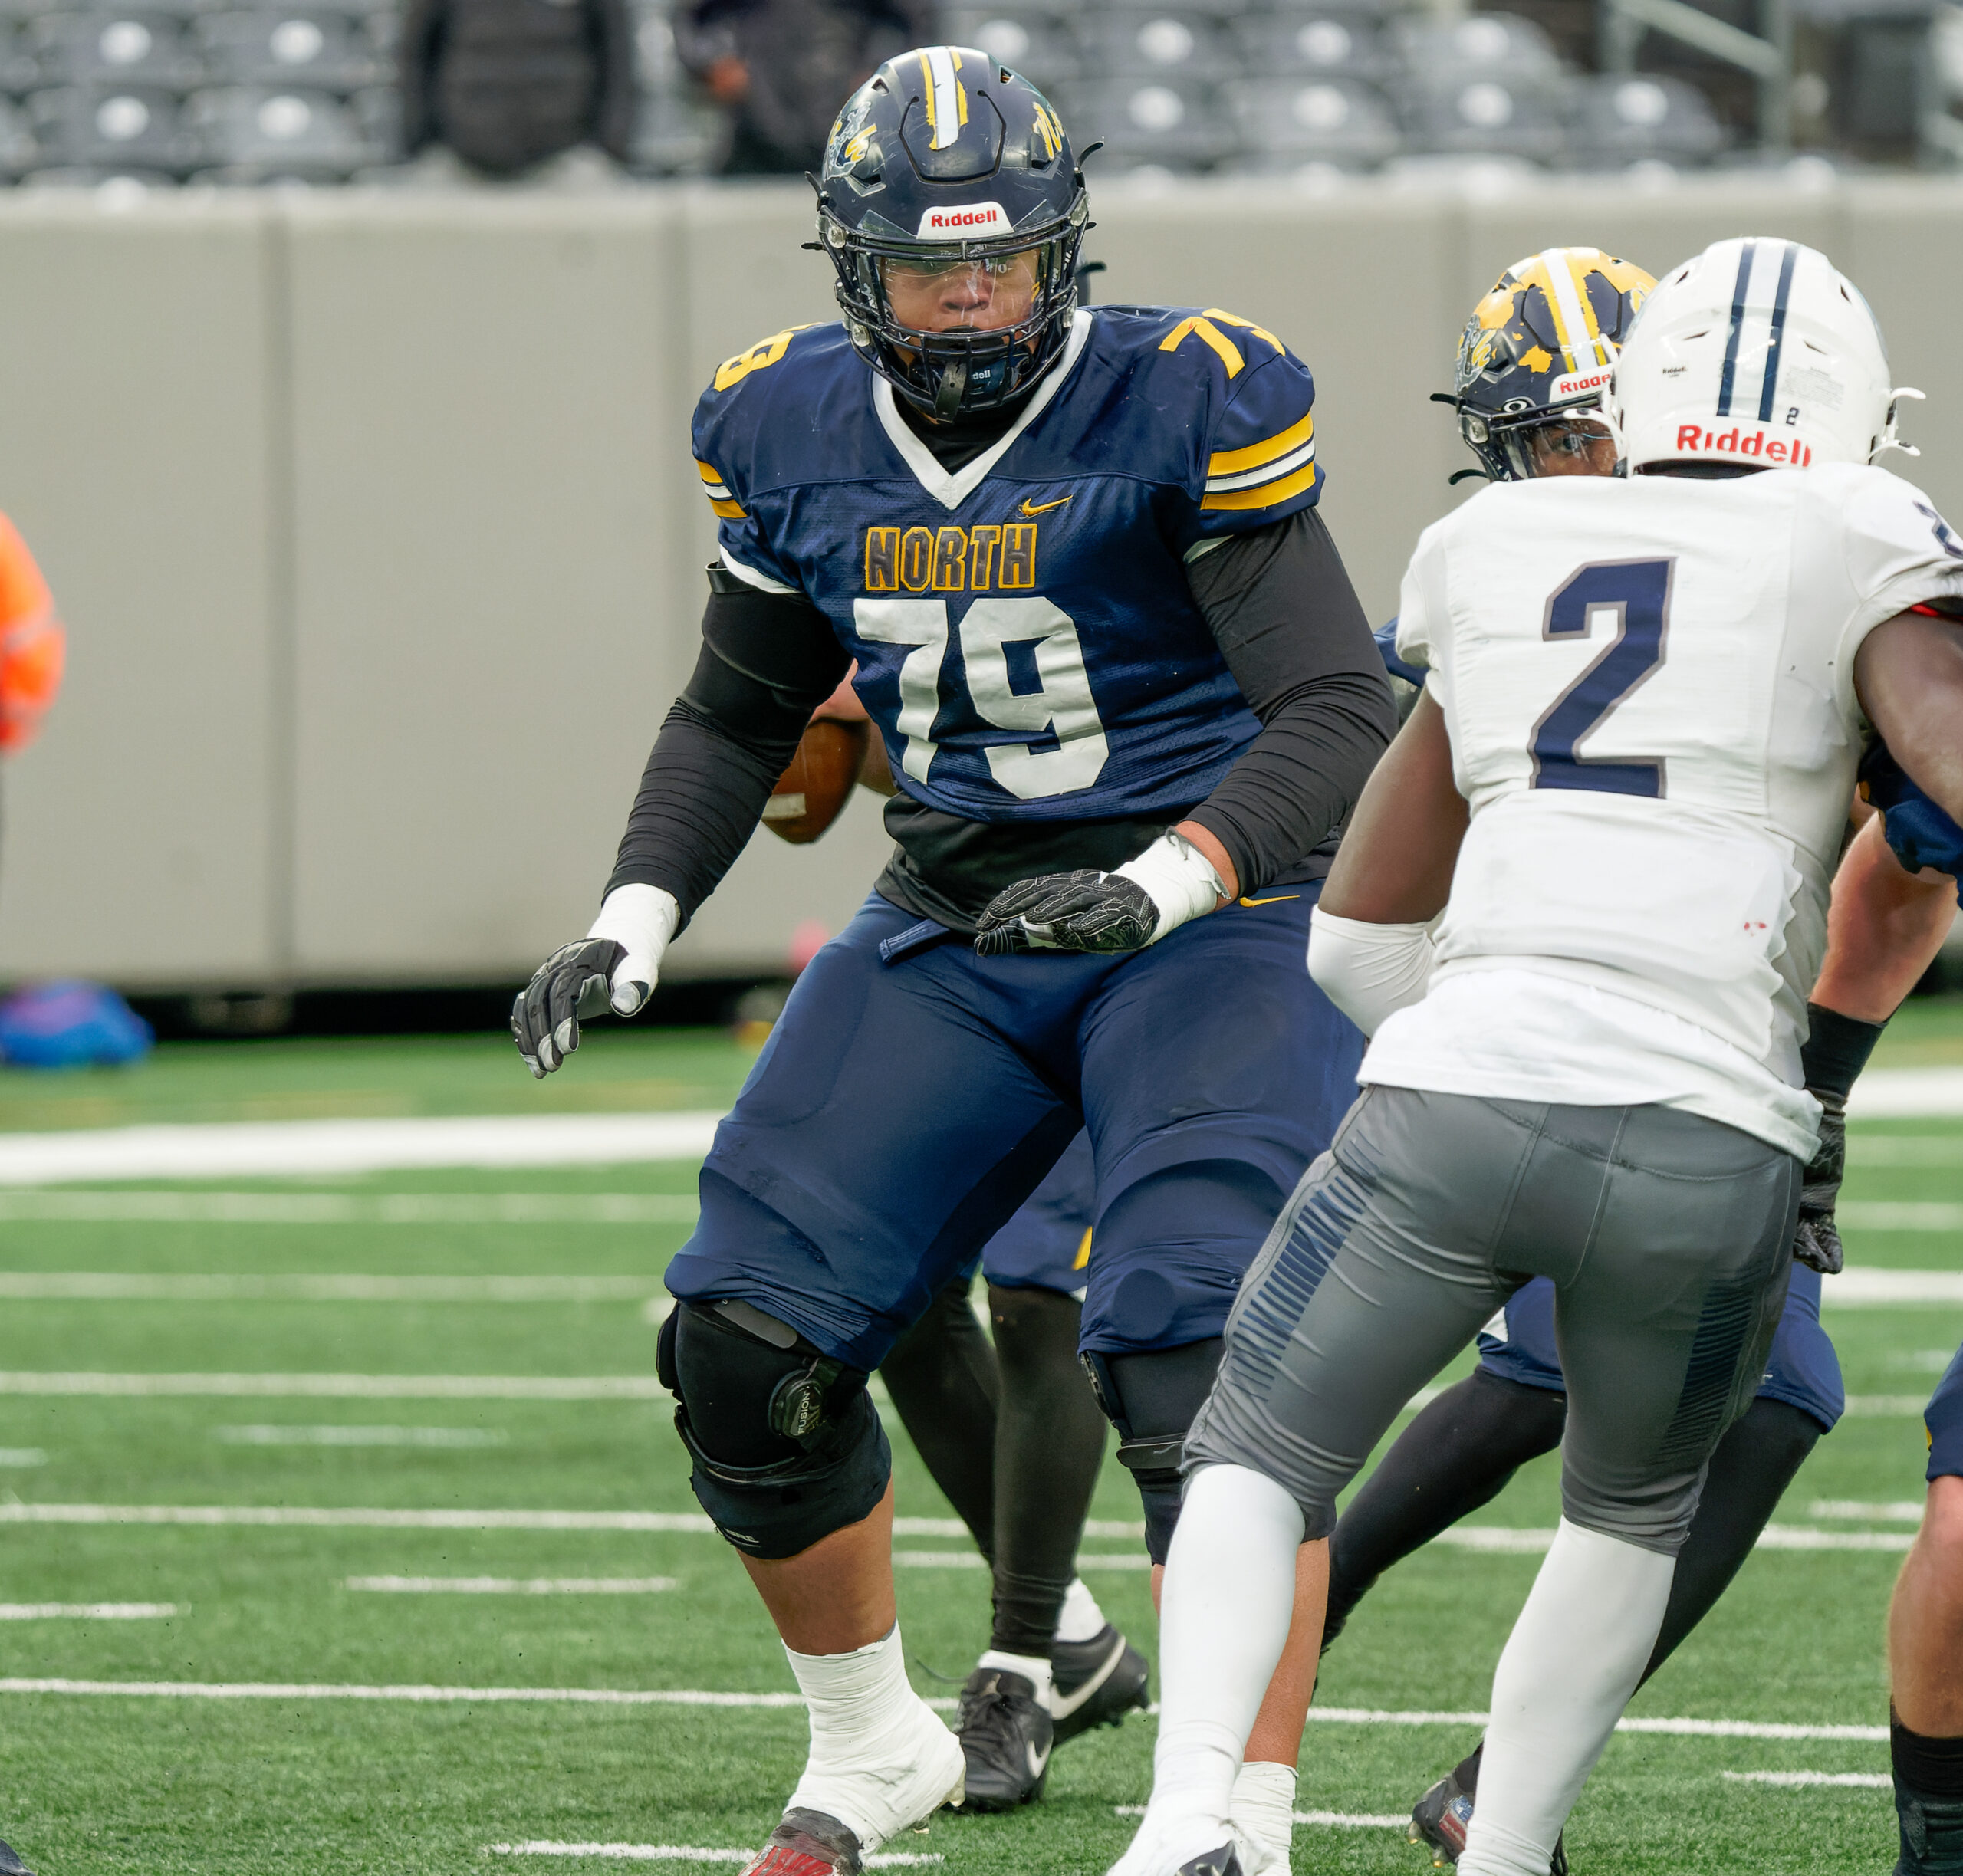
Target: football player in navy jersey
{"x":1886,"y":924}
{"x":1129,"y":697}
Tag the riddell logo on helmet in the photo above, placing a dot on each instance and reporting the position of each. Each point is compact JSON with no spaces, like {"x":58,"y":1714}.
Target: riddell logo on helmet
{"x":979,"y":218}
{"x":1736,"y":442}
{"x":1576,"y":383}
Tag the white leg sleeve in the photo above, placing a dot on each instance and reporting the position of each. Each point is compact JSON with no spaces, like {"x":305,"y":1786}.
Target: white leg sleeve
{"x":1224,"y":1613}
{"x":1567,"y":1671}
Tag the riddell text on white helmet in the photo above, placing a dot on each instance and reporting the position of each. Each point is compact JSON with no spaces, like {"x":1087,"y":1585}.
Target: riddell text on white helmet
{"x":1738,"y":442}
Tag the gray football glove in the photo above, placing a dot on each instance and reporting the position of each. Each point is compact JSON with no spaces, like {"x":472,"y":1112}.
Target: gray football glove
{"x":1817,"y":1239}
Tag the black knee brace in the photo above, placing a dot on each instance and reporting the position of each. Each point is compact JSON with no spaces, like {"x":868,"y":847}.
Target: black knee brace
{"x":786,"y":1447}
{"x":1151,"y":1399}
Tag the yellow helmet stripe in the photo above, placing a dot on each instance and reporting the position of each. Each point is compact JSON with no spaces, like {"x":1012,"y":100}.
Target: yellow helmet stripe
{"x":946,"y":111}
{"x":1575,"y":328}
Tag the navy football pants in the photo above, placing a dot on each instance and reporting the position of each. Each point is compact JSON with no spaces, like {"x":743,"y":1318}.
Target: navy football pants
{"x":901,"y":1112}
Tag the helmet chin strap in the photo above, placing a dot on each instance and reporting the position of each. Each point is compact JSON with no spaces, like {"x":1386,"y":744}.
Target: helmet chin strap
{"x":948,"y":393}
{"x":1889,"y":440}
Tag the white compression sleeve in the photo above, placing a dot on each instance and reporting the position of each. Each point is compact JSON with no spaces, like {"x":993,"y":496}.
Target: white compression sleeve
{"x":1369,"y":971}
{"x":1567,"y":1671}
{"x":1224,"y":1614}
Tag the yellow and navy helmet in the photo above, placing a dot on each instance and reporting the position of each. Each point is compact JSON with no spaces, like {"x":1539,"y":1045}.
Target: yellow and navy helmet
{"x":1541,"y":346}
{"x":946,"y":160}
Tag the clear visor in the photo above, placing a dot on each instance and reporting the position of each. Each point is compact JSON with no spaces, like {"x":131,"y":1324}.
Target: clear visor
{"x":1580,"y":445}
{"x":952,"y":294}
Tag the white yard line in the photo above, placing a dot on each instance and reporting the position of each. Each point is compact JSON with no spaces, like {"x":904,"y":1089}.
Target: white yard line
{"x":170,"y":1207}
{"x":672,"y":1697}
{"x":971,"y":1560}
{"x":358,"y":1518}
{"x":1887,"y":1214}
{"x":515,"y":1585}
{"x":683,"y":1853}
{"x":438,"y":1437}
{"x":287,"y":1149}
{"x":348,"y":1387}
{"x":1863,"y":1286}
{"x":1905,"y":1093}
{"x":164,"y":1287}
{"x":1902,"y":1510}
{"x":12,"y":1456}
{"x":1881,"y":1780}
{"x":1506,"y":1539}
{"x":86,"y":1612}
{"x":1342,"y":1820}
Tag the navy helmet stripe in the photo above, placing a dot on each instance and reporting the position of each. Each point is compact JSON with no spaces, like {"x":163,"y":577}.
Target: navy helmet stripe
{"x":1737,"y":328}
{"x":1771,"y":384}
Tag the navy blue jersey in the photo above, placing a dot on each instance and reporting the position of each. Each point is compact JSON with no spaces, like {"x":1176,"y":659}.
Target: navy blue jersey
{"x":1919,"y":833}
{"x":1386,"y":637}
{"x":1026,"y":641}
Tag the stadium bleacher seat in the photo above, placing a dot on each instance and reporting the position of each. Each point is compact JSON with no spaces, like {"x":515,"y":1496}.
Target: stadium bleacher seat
{"x":1616,"y":121}
{"x":17,"y":150}
{"x":1035,"y":41}
{"x":675,"y":134}
{"x":321,"y":51}
{"x":1288,"y":122}
{"x":1485,"y":115}
{"x":249,"y":134}
{"x":1347,"y":45}
{"x":1481,"y":45}
{"x":113,"y":49}
{"x":112,"y":131}
{"x":1158,"y":42}
{"x":1166,"y":122}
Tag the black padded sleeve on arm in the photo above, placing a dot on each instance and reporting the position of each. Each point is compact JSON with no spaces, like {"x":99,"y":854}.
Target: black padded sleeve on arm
{"x":1289,"y":625}
{"x":768,"y":662}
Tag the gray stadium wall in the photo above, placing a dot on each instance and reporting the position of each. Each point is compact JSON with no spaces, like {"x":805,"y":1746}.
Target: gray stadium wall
{"x":377,"y":529}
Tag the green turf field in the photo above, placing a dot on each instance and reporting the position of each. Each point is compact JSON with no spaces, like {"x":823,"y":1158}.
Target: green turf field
{"x":99,"y":1782}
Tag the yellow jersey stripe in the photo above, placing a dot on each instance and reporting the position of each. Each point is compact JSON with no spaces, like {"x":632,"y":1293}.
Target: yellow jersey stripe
{"x":708,"y":473}
{"x":1083,"y":1251}
{"x":728,"y":511}
{"x":1265,"y":495}
{"x":1232,"y":461}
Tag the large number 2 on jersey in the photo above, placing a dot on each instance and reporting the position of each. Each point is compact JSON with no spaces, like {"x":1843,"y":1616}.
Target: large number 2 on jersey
{"x":1061,"y":702}
{"x":1637,"y":593}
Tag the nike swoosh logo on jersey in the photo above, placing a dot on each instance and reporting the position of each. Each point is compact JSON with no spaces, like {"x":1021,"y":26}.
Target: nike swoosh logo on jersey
{"x":1047,"y":506}
{"x":1279,"y":899}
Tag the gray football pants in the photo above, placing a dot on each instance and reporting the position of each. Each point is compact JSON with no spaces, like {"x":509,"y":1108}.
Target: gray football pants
{"x":1669,"y":1239}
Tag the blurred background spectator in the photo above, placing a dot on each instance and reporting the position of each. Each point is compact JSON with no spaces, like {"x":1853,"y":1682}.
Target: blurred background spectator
{"x":781,"y":68}
{"x":509,"y":85}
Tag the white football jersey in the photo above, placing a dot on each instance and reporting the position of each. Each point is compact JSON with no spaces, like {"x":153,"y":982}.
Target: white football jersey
{"x":1648,"y":685}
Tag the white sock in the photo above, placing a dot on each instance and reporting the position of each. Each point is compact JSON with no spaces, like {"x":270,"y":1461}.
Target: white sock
{"x":1082,"y":1619}
{"x":863,"y":1713}
{"x":1566,"y":1672}
{"x":1263,"y":1806}
{"x":1032,"y":1667}
{"x":1224,"y":1614}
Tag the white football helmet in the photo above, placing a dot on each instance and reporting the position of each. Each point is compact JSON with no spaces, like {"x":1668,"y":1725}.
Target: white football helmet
{"x":1758,"y":351}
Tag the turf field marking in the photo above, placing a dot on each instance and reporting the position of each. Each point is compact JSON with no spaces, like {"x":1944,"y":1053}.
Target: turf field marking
{"x":1508,"y":1540}
{"x":22,"y":1456}
{"x":148,"y":1286}
{"x":672,"y":1697}
{"x":1862,"y":1286}
{"x":1909,"y":1510}
{"x":1881,"y":1779}
{"x":515,"y":1585}
{"x":1342,"y":1820}
{"x":1906,"y":1093}
{"x":1884,"y":1214}
{"x":1887,"y":1406}
{"x":86,"y":1612}
{"x":357,"y":1517}
{"x":273,"y":1149}
{"x":972,"y":1560}
{"x":174,"y":1207}
{"x":361,"y":1436}
{"x":348,"y":1387}
{"x":677,"y":1853}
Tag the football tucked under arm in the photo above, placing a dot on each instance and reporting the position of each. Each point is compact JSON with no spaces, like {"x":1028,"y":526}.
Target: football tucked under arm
{"x":838,"y":750}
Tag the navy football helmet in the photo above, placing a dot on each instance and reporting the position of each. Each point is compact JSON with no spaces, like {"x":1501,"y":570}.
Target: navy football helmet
{"x":952,"y":207}
{"x":1537,"y":355}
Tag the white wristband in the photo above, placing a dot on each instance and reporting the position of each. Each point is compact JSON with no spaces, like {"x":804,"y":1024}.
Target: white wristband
{"x":1178,"y":879}
{"x":642,"y":919}
{"x":1369,"y":971}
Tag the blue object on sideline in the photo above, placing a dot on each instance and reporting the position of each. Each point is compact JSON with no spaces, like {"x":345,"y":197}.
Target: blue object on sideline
{"x":71,"y":1023}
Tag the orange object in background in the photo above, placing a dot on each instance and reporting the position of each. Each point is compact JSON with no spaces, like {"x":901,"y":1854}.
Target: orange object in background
{"x":32,"y":643}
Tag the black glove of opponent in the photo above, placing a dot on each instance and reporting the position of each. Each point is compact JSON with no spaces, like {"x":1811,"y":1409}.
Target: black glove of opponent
{"x":1837,"y":1048}
{"x":1079,"y":912}
{"x":571,"y":983}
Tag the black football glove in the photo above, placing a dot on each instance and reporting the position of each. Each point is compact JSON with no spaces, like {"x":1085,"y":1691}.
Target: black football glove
{"x":1817,"y":1239}
{"x":1079,"y":912}
{"x":571,"y":983}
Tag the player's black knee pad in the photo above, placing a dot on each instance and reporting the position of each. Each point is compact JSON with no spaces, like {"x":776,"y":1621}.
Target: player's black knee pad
{"x":786,"y":1447}
{"x":1151,"y":1398}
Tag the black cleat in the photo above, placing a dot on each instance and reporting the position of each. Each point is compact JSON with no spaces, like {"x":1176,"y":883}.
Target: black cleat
{"x":1439,"y":1818}
{"x":807,"y":1843}
{"x":1097,"y":1682}
{"x":11,"y":1864}
{"x":1006,"y":1734}
{"x":1221,"y":1862}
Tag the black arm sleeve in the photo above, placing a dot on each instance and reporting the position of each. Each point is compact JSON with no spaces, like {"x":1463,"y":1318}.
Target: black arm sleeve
{"x":767,"y":663}
{"x":1289,"y":625}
